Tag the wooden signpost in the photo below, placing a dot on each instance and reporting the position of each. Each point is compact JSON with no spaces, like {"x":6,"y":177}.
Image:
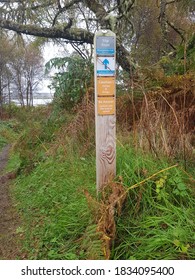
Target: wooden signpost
{"x":105,"y":106}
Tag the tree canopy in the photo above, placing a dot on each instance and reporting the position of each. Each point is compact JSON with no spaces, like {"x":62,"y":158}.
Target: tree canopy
{"x":152,"y":28}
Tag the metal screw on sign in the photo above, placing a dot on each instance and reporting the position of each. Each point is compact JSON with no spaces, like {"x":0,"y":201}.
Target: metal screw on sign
{"x":105,"y":106}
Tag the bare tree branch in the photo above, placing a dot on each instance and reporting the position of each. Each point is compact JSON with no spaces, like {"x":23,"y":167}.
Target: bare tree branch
{"x":78,"y":50}
{"x":67,"y":6}
{"x":46,"y":4}
{"x":176,"y":30}
{"x":99,"y":11}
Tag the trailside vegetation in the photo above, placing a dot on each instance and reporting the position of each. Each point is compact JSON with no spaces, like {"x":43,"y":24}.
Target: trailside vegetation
{"x":147,"y":211}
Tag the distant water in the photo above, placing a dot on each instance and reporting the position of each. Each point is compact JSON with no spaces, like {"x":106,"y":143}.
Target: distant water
{"x":38,"y":99}
{"x":36,"y":102}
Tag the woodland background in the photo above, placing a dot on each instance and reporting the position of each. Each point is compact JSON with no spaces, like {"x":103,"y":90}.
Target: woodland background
{"x":147,"y":211}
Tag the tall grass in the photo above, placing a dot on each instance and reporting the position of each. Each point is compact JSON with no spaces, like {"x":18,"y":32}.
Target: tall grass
{"x":156,"y":222}
{"x":162,"y":121}
{"x":158,"y":219}
{"x":7,"y":132}
{"x":54,"y":208}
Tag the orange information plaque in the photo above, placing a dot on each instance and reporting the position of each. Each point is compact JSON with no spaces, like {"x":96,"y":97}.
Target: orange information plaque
{"x":106,"y":106}
{"x":105,"y":86}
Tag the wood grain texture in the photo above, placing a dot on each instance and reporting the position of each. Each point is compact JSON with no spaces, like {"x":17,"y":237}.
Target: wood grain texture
{"x":105,"y":149}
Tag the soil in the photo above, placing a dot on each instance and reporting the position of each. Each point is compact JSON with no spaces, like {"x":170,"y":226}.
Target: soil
{"x":9,"y":221}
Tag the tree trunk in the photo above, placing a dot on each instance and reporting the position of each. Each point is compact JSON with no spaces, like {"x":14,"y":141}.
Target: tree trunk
{"x":1,"y":93}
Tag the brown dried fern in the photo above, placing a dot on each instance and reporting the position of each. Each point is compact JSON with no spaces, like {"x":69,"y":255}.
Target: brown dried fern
{"x":80,"y":129}
{"x":105,"y":211}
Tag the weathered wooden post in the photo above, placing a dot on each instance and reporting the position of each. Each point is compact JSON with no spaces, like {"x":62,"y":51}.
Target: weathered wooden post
{"x":105,"y":106}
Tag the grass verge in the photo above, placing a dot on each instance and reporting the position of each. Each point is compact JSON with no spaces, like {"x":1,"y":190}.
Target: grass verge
{"x":156,"y":222}
{"x":53,"y":207}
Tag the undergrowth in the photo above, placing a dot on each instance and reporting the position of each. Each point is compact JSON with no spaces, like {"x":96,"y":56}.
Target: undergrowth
{"x":157,"y":221}
{"x":145,"y":213}
{"x":7,"y":132}
{"x":54,"y":208}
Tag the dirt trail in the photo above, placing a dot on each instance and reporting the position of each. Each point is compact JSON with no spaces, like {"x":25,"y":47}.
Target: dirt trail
{"x":8,"y":218}
{"x":4,"y":157}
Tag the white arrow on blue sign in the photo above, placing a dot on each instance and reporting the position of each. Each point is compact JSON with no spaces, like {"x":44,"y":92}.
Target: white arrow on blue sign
{"x":106,"y":62}
{"x":105,"y":66}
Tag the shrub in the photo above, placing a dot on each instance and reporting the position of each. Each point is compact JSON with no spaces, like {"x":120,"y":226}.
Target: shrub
{"x":70,"y":82}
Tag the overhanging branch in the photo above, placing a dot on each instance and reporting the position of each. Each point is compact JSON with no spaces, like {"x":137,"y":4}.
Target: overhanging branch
{"x":72,"y":34}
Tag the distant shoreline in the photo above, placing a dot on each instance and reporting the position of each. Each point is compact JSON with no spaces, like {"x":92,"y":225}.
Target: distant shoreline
{"x":39,"y":98}
{"x":36,"y":101}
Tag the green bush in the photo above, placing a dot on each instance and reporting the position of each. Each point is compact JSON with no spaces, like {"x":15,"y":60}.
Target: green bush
{"x":73,"y":77}
{"x":183,"y":59}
